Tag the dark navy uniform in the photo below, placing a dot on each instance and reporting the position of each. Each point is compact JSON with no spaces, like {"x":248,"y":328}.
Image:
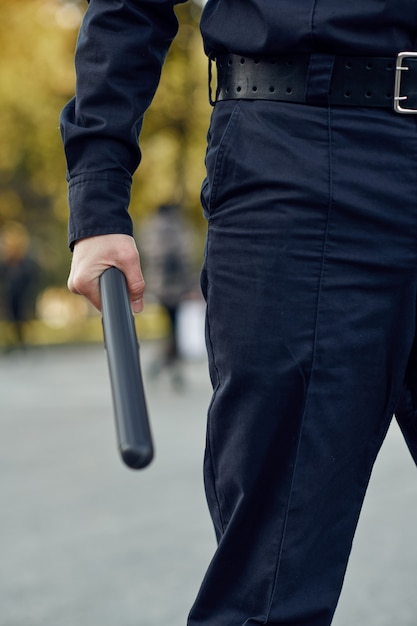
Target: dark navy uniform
{"x":310,"y":272}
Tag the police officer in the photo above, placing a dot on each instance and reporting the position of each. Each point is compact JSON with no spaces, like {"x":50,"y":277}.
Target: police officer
{"x":310,"y":272}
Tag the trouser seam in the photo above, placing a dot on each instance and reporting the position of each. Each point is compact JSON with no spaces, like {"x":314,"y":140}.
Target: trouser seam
{"x":313,"y":358}
{"x":215,"y":390}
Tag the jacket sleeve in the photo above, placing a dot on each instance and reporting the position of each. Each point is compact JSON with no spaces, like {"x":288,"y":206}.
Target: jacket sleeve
{"x":120,"y":51}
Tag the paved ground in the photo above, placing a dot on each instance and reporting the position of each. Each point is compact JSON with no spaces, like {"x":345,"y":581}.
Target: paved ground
{"x":85,"y":541}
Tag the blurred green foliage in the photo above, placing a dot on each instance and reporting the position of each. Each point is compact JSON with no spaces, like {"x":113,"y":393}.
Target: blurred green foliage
{"x":37,"y":78}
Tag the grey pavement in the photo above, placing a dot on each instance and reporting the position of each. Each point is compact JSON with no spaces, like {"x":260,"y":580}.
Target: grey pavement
{"x":84,"y":541}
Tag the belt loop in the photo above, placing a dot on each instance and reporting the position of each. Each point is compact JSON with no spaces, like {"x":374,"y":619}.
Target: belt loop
{"x":319,"y":78}
{"x":210,"y":78}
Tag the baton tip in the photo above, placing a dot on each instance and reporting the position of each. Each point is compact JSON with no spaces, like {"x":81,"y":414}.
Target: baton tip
{"x":136,"y":457}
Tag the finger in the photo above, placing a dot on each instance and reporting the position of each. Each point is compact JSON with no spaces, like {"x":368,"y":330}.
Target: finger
{"x":84,"y":284}
{"x":135,"y":285}
{"x":136,"y":298}
{"x":89,"y":290}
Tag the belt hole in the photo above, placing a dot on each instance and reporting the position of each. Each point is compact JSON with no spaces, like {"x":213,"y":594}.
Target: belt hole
{"x":348,"y":94}
{"x":369,"y":94}
{"x":254,"y":88}
{"x":238,"y":89}
{"x":242,"y":61}
{"x":369,"y":65}
{"x":390,"y":67}
{"x":256,"y":61}
{"x":349,"y":65}
{"x":271,"y":89}
{"x":289,"y":90}
{"x":388,"y":95}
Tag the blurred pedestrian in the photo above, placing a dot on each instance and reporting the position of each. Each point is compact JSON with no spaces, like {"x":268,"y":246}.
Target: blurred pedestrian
{"x":18,"y":275}
{"x":167,"y":246}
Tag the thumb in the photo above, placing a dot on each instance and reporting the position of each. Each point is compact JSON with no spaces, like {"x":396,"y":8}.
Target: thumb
{"x":135,"y":285}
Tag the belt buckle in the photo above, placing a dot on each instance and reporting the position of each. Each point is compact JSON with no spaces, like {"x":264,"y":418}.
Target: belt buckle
{"x":399,"y":68}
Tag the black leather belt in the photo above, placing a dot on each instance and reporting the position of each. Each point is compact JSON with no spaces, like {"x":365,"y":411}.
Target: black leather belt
{"x":321,"y":79}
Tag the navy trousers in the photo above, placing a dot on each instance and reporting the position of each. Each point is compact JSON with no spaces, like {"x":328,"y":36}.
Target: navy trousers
{"x":310,"y":278}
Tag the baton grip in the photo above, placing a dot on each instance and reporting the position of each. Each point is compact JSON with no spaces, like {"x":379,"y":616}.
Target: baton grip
{"x":122,"y":348}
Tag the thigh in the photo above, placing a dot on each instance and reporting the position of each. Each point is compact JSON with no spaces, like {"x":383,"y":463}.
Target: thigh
{"x":310,"y":270}
{"x":266,"y":197}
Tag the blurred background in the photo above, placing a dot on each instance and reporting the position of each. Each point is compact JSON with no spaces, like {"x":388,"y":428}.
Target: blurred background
{"x":84,"y":540}
{"x":37,"y":78}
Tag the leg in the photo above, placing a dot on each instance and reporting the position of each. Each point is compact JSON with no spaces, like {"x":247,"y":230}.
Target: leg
{"x":406,"y":409}
{"x":303,"y":296}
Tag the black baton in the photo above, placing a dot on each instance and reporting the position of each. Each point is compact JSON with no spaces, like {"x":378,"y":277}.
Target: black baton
{"x":120,"y":340}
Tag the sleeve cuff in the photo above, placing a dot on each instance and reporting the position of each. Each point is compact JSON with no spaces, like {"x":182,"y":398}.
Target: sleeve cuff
{"x":99,"y":204}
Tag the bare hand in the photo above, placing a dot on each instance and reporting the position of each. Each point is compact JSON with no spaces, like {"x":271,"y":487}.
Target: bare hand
{"x":93,"y":255}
